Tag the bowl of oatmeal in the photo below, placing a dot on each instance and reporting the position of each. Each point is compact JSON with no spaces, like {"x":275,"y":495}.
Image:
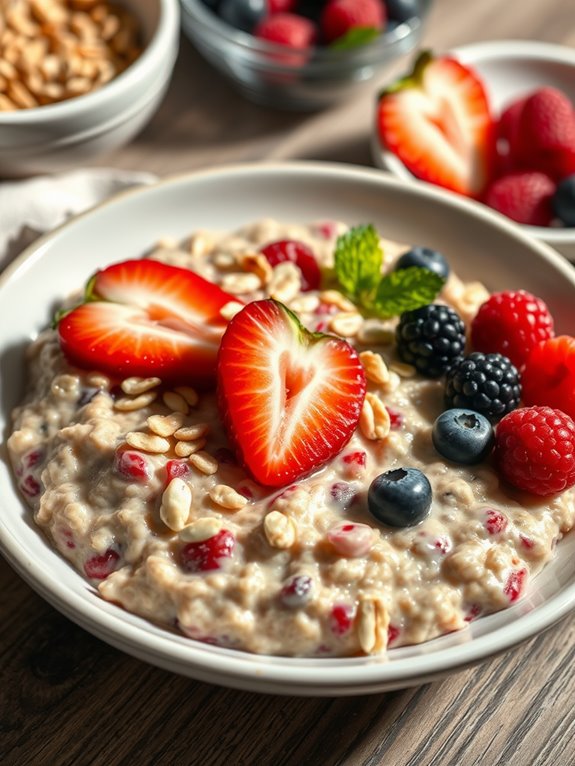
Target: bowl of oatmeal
{"x":135,"y":504}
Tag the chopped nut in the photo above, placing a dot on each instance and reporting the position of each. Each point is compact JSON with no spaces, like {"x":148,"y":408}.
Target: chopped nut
{"x":375,"y":368}
{"x":165,"y":425}
{"x":176,"y":503}
{"x":128,"y":404}
{"x":305,"y":304}
{"x":147,"y":442}
{"x":285,"y":283}
{"x":346,"y":324}
{"x":135,"y":386}
{"x":201,"y":529}
{"x":224,"y":261}
{"x":280,"y":530}
{"x":227,"y":497}
{"x":372,"y":624}
{"x":374,"y":420}
{"x":204,"y":462}
{"x":240,"y":283}
{"x":175,"y":402}
{"x":190,"y":433}
{"x":258,"y":264}
{"x":185,"y":449}
{"x":402,"y":369}
{"x":189,"y":394}
{"x":335,"y":298}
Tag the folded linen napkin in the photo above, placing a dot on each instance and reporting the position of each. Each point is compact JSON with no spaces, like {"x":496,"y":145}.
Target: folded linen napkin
{"x":32,"y":207}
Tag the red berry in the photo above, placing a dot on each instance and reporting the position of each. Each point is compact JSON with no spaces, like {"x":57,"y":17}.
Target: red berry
{"x":511,"y":323}
{"x":281,"y":6}
{"x":99,"y":567}
{"x":298,"y":253}
{"x":523,"y":196}
{"x":207,"y":555}
{"x":547,"y":133}
{"x":343,"y":494}
{"x":392,"y":633}
{"x":535,"y":450}
{"x":339,"y":16}
{"x":286,"y":29}
{"x":30,"y":486}
{"x":132,"y":465}
{"x":341,"y":619}
{"x":354,"y":464}
{"x":395,"y":418}
{"x":176,"y":469}
{"x":514,"y":584}
{"x":508,"y":136}
{"x":495,"y":522}
{"x":297,"y":591}
{"x":549,"y":374}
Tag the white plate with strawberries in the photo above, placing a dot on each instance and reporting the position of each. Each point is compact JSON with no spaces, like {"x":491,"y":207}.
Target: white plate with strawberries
{"x":476,"y":242}
{"x":494,"y":121}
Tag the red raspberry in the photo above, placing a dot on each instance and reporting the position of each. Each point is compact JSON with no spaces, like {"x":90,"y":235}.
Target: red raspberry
{"x":207,"y":555}
{"x":339,"y":16}
{"x":511,"y":323}
{"x":535,"y":450}
{"x":508,"y":135}
{"x":523,"y":196}
{"x":547,"y":133}
{"x":549,"y":374}
{"x":298,"y":253}
{"x":287,"y":29}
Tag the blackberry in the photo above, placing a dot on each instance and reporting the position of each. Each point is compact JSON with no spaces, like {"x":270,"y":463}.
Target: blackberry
{"x":430,"y":338}
{"x":486,"y":383}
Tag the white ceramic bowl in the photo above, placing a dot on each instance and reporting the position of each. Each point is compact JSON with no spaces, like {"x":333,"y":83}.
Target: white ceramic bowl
{"x":477,"y":243}
{"x":60,"y":136}
{"x":510,"y":69}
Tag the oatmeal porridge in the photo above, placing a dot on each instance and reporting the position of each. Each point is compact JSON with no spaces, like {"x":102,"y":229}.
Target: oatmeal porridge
{"x":344,"y":528}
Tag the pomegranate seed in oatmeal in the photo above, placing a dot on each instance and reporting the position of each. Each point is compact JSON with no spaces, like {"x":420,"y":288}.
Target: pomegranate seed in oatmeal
{"x":209,"y":554}
{"x":99,"y":567}
{"x":495,"y":522}
{"x":514,"y":584}
{"x":341,"y":619}
{"x":297,"y":591}
{"x":177,"y":469}
{"x":132,"y":465}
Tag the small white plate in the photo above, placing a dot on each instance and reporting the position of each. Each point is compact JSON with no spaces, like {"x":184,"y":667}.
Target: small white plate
{"x":510,"y":69}
{"x":478,"y":244}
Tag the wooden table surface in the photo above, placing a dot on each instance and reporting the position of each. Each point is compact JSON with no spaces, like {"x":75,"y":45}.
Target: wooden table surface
{"x":68,"y":698}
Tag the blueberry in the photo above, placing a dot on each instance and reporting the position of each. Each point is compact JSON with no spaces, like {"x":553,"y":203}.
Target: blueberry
{"x":463,"y":436}
{"x":564,"y":201}
{"x":425,"y":258}
{"x":400,"y":498}
{"x":402,"y":10}
{"x":242,"y":14}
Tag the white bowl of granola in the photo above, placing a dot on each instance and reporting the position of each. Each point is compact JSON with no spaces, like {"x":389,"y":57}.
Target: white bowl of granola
{"x":112,"y":533}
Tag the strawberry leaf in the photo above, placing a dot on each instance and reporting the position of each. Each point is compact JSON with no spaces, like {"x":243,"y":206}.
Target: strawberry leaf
{"x":405,"y":290}
{"x":358,"y":260}
{"x":354,"y":38}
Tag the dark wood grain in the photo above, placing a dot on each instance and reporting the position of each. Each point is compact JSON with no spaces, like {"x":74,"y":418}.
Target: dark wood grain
{"x":67,"y":699}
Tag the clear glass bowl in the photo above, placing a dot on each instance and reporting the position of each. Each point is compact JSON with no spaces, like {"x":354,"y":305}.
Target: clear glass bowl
{"x":275,"y":75}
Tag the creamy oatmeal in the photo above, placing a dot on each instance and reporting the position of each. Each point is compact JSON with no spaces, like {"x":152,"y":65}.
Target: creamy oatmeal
{"x":126,"y":474}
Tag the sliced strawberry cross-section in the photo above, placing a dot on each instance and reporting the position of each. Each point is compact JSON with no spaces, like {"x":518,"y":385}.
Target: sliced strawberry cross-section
{"x":143,"y":317}
{"x":290,"y":399}
{"x":438,"y":122}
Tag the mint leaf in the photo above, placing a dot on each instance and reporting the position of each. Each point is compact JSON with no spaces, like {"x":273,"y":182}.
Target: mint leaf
{"x":355,"y":38}
{"x":405,"y":290}
{"x":358,"y":260}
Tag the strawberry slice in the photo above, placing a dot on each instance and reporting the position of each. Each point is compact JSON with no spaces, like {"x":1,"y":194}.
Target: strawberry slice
{"x":290,"y":399}
{"x":147,"y":318}
{"x":438,"y":122}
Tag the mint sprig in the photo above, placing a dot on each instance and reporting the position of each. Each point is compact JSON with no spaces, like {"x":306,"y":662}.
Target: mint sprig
{"x":355,"y":38}
{"x":358,"y":266}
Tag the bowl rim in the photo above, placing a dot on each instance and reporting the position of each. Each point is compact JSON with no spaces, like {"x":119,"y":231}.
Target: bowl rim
{"x":219,"y":29}
{"x":483,"y":51}
{"x":118,"y":87}
{"x":265,"y":673}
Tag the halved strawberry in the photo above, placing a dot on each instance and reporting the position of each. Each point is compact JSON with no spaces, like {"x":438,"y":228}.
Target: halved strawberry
{"x":290,"y":399}
{"x":145,"y":318}
{"x":438,"y":122}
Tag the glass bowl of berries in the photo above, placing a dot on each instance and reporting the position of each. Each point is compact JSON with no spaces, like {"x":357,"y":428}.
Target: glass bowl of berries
{"x":302,"y":54}
{"x":506,"y":138}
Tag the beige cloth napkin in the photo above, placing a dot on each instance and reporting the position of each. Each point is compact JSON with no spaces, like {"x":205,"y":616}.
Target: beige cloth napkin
{"x":32,"y":207}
